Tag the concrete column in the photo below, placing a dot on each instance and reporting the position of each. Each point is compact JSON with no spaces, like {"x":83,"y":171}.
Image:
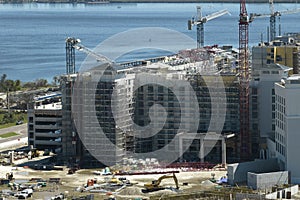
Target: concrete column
{"x":223,"y":151}
{"x":201,"y":149}
{"x":180,"y":149}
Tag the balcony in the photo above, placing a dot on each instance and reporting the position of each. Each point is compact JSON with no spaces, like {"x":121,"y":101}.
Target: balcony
{"x":50,"y":126}
{"x":47,"y":142}
{"x":50,"y":134}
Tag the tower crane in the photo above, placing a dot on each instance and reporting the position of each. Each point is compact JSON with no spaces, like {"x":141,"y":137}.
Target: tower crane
{"x":71,"y":45}
{"x":245,"y":136}
{"x":200,"y":23}
{"x":273,"y":14}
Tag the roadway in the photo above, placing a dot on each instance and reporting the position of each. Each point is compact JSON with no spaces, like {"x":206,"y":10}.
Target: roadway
{"x":14,"y":141}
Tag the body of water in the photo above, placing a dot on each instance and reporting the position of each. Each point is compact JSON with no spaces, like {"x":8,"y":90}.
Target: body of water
{"x":32,"y":36}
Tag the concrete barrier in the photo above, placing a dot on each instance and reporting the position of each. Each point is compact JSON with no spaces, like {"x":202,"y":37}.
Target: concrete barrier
{"x":267,"y":180}
{"x":237,"y":173}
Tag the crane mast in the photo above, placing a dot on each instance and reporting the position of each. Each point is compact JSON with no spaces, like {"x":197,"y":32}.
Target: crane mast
{"x":245,"y":140}
{"x":70,"y":55}
{"x":200,"y":29}
{"x":272,"y":20}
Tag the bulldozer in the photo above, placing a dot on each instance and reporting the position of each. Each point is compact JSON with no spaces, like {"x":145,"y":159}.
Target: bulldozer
{"x":155,"y":184}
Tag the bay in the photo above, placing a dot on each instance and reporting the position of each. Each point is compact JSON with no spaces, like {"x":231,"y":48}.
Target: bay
{"x":32,"y":36}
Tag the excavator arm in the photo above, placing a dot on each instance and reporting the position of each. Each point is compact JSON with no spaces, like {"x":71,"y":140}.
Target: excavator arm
{"x":155,"y":184}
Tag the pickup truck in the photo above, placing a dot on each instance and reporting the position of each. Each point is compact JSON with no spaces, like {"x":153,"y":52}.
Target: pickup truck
{"x":24,"y":194}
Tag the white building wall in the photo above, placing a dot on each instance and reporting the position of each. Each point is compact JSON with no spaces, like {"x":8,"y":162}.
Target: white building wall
{"x":265,"y":76}
{"x":287,"y":125}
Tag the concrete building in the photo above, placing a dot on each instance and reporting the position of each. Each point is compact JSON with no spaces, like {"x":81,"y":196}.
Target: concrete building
{"x":287,"y":95}
{"x":45,"y":123}
{"x":72,"y":148}
{"x":129,"y":112}
{"x":90,"y":107}
{"x":285,"y":50}
{"x":262,"y":101}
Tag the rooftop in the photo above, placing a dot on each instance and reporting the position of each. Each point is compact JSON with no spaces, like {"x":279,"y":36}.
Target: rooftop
{"x":50,"y":106}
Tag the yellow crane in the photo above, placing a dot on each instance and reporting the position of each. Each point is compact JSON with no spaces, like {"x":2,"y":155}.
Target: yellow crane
{"x":155,"y":184}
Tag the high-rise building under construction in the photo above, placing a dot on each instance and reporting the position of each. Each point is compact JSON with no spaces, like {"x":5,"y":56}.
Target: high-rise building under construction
{"x":119,"y":101}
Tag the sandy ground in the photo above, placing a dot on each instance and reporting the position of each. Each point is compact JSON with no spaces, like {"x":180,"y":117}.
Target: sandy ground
{"x":71,"y":182}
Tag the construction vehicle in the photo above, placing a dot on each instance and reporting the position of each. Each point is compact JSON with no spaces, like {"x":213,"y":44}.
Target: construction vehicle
{"x":155,"y":184}
{"x":33,"y":153}
{"x":73,"y":169}
{"x":9,"y":176}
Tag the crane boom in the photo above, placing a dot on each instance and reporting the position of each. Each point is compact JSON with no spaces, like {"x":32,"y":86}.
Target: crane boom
{"x":215,"y":15}
{"x":71,"y":45}
{"x":273,"y":14}
{"x":88,"y":51}
{"x":297,"y":10}
{"x":199,"y":22}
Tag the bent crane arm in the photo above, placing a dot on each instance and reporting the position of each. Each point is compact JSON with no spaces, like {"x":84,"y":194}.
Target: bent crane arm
{"x":216,"y":14}
{"x":75,"y":43}
{"x":88,"y":51}
{"x":209,"y":17}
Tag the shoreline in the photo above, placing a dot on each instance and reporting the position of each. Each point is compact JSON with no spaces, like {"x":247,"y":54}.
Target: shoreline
{"x":138,"y":1}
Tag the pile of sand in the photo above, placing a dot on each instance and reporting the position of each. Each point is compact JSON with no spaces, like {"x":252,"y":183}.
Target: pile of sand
{"x":131,"y":191}
{"x":208,"y":183}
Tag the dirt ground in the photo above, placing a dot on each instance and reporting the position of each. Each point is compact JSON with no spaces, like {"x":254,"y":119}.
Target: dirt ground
{"x":69,"y":183}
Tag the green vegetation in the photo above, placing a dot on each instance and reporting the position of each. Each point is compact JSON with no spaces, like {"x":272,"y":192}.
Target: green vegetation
{"x":8,"y":119}
{"x":16,"y":94}
{"x":7,"y":135}
{"x":8,"y":85}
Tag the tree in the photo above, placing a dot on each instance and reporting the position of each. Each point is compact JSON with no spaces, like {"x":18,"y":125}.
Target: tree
{"x":2,"y":83}
{"x":17,"y":85}
{"x":7,"y":86}
{"x":41,"y":83}
{"x":55,"y":80}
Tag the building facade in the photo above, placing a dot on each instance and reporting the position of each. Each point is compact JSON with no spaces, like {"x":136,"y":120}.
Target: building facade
{"x":262,"y":101}
{"x":123,"y":102}
{"x":45,"y":123}
{"x":285,"y":50}
{"x":287,"y":137}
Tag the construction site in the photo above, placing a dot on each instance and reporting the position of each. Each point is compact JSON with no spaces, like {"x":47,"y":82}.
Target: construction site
{"x":221,"y":136}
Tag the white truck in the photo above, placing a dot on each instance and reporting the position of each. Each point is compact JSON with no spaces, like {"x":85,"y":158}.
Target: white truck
{"x":24,"y":194}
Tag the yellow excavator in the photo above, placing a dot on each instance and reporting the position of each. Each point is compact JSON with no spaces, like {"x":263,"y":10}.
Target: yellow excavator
{"x":155,"y":184}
